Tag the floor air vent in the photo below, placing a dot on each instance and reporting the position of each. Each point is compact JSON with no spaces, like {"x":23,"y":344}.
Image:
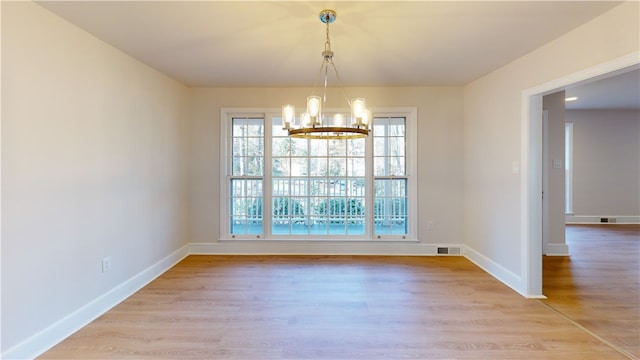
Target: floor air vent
{"x":448,"y":251}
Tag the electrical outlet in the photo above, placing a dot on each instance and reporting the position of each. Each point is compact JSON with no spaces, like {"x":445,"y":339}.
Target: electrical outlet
{"x":429,"y":225}
{"x":106,"y":264}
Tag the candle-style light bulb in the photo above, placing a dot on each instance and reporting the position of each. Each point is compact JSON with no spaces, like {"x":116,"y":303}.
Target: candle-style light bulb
{"x":288,"y":115}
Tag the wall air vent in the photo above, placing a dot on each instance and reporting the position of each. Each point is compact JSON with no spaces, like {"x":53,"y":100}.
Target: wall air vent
{"x":448,"y":251}
{"x":607,"y":220}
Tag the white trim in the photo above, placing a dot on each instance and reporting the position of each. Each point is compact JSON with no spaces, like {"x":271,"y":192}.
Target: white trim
{"x":1,"y":177}
{"x":44,"y":340}
{"x":530,"y":196}
{"x":292,"y":239}
{"x":568,"y":167}
{"x":226,"y":114}
{"x":316,"y":248}
{"x":556,"y":249}
{"x":605,"y":70}
{"x":595,"y":219}
{"x":47,"y":338}
{"x":499,"y":272}
{"x":224,"y":166}
{"x":530,"y":205}
{"x":545,"y":169}
{"x":225,"y":136}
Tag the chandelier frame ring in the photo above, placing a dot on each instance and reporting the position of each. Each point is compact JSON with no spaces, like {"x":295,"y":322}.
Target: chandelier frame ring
{"x":329,"y":132}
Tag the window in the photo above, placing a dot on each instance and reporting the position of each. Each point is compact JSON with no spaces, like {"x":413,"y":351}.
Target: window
{"x":318,"y":186}
{"x":390,"y":176}
{"x":286,"y":188}
{"x":247,"y":175}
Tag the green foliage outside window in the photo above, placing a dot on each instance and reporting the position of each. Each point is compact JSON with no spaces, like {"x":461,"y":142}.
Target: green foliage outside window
{"x":398,"y":207}
{"x":332,"y":207}
{"x":339,"y":208}
{"x":286,"y":206}
{"x":281,"y":207}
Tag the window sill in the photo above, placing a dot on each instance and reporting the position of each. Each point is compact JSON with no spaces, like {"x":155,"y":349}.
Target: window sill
{"x":321,"y":240}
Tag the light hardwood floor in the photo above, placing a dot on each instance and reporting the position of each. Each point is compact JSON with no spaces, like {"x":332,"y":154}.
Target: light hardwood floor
{"x":598,"y":286}
{"x":330,"y":307}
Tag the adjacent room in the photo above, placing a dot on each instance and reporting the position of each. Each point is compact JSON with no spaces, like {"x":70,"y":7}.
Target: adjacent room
{"x":203,"y":179}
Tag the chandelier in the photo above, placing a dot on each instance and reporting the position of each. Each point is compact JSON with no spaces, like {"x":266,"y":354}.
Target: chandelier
{"x":314,"y":123}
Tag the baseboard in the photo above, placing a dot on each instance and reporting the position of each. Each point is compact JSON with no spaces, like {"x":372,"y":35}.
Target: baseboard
{"x":598,"y":219}
{"x":317,"y":248}
{"x":556,"y":249}
{"x":52,"y":335}
{"x":496,"y":270}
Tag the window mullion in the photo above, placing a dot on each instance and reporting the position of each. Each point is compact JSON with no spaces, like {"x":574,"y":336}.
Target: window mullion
{"x":267,"y":182}
{"x":369,"y":186}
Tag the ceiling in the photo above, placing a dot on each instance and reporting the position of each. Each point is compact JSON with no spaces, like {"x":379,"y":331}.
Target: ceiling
{"x":620,"y":91}
{"x":376,"y":43}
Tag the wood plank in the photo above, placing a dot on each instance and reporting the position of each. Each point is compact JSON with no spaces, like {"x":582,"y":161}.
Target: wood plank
{"x":598,"y":286}
{"x":329,"y":307}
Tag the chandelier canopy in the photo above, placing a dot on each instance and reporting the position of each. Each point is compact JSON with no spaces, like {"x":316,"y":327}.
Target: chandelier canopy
{"x":314,"y":123}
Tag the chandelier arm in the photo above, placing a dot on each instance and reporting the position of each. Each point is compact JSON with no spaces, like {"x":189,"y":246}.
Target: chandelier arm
{"x":344,"y":91}
{"x":324,"y":94}
{"x":315,"y":85}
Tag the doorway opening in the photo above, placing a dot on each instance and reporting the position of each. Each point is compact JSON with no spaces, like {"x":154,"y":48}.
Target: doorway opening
{"x":531,"y":160}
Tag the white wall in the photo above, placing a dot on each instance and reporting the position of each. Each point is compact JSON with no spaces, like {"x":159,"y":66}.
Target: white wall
{"x":554,"y":177}
{"x":493,"y":134}
{"x":606,"y":150}
{"x":94,"y":164}
{"x":439,"y":151}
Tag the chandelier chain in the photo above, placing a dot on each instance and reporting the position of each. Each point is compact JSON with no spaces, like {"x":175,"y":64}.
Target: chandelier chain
{"x":328,"y":59}
{"x":327,"y":43}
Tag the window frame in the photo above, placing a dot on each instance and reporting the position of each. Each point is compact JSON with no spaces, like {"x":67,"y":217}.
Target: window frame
{"x":267,"y":114}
